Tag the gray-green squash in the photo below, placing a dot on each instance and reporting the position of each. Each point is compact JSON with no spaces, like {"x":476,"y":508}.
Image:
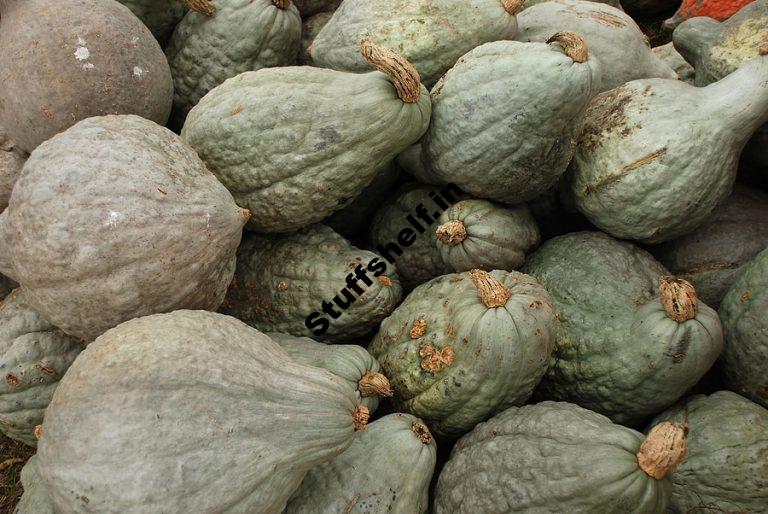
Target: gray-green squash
{"x":35,"y":499}
{"x":713,"y":255}
{"x":190,"y":411}
{"x":495,"y":131}
{"x":160,"y":16}
{"x":464,"y":346}
{"x":116,"y":218}
{"x":348,"y":361}
{"x":386,"y":469}
{"x":411,"y":160}
{"x":726,"y":469}
{"x":612,"y":36}
{"x":669,"y":54}
{"x":12,"y":159}
{"x":658,"y":156}
{"x":311,"y":283}
{"x":310,"y":28}
{"x":240,"y":36}
{"x":34,"y":355}
{"x":559,"y":457}
{"x":744,"y":311}
{"x":431,"y":34}
{"x":283,"y":139}
{"x":630,"y":340}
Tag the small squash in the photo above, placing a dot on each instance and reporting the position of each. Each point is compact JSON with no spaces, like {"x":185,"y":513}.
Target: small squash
{"x":559,"y":457}
{"x":12,"y":159}
{"x":190,"y":411}
{"x":387,"y":468}
{"x":464,"y":346}
{"x":35,"y":499}
{"x":160,"y":16}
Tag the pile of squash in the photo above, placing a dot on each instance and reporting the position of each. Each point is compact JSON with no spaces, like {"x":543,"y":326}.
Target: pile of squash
{"x":385,"y":256}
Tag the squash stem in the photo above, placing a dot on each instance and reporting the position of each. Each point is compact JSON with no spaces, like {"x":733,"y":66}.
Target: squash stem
{"x":451,"y":233}
{"x":204,"y":7}
{"x":489,"y":289}
{"x":573,"y":44}
{"x":374,"y":384}
{"x":400,"y":71}
{"x":663,"y":449}
{"x":678,"y":297}
{"x":422,"y":432}
{"x":360,"y":417}
{"x":512,"y":6}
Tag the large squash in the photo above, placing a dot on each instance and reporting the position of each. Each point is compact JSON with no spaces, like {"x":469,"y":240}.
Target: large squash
{"x":295,"y":144}
{"x":12,"y":159}
{"x":117,"y":218}
{"x":190,"y":411}
{"x":558,"y":457}
{"x":464,"y":346}
{"x":630,"y":340}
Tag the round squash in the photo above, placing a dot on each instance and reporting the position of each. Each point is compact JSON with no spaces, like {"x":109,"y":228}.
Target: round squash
{"x":559,"y":457}
{"x":69,"y":60}
{"x":190,"y":411}
{"x":160,"y":16}
{"x":387,"y":468}
{"x":35,"y":499}
{"x":630,"y":340}
{"x":743,"y":312}
{"x":34,"y":355}
{"x":464,"y":346}
{"x":117,"y":218}
{"x":317,"y":143}
{"x":495,"y":131}
{"x":12,"y":159}
{"x":311,"y":283}
{"x":726,"y":469}
{"x":348,"y":361}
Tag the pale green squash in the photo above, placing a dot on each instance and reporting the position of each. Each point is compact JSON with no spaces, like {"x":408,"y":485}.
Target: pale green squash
{"x":35,"y":499}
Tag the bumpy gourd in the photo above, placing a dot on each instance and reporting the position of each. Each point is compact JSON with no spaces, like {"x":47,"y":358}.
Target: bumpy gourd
{"x":34,"y":355}
{"x":282,"y":139}
{"x":69,"y":60}
{"x":464,"y":346}
{"x":117,"y":218}
{"x":160,"y":16}
{"x":204,"y":414}
{"x":658,"y":156}
{"x":347,"y":361}
{"x":726,"y":469}
{"x":240,"y":36}
{"x":310,"y":28}
{"x":672,"y":58}
{"x":713,"y":255}
{"x":431,"y":34}
{"x":12,"y":159}
{"x":558,"y":457}
{"x":612,"y":36}
{"x":517,"y":159}
{"x":35,"y":499}
{"x":387,"y":468}
{"x":284,"y":283}
{"x":630,"y":340}
{"x":743,"y":312}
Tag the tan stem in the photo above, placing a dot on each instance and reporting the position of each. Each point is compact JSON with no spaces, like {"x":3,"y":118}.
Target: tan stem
{"x":663,"y":449}
{"x":403,"y":75}
{"x":246,"y":214}
{"x":421,"y":430}
{"x":360,"y":417}
{"x":374,"y":384}
{"x":678,"y":298}
{"x":38,"y":431}
{"x":573,"y":44}
{"x":451,"y":233}
{"x":204,"y":7}
{"x":512,"y":6}
{"x":489,"y":289}
{"x":281,"y":4}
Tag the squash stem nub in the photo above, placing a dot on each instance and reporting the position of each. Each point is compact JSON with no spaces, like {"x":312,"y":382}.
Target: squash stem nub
{"x":512,"y":6}
{"x":663,"y":449}
{"x":374,"y":384}
{"x":490,"y":290}
{"x":400,"y":71}
{"x":573,"y":44}
{"x":360,"y":417}
{"x":452,"y":232}
{"x":204,"y":7}
{"x":678,"y":297}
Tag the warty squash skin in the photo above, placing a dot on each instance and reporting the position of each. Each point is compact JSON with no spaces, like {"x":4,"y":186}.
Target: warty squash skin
{"x":386,"y":470}
{"x":160,"y":16}
{"x":619,"y":352}
{"x":431,"y":34}
{"x":495,"y":131}
{"x":205,"y":415}
{"x":612,"y":36}
{"x":282,"y":139}
{"x":12,"y":159}
{"x":347,"y":361}
{"x":34,"y":355}
{"x":35,"y":499}
{"x":117,"y":218}
{"x":240,"y":36}
{"x":464,"y":346}
{"x":283,"y":279}
{"x":69,"y":60}
{"x":744,"y":311}
{"x":558,"y":457}
{"x":656,"y":156}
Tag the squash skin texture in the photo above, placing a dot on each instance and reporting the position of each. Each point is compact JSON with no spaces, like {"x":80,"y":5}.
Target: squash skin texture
{"x":453,"y":362}
{"x":386,"y":469}
{"x":284,"y":138}
{"x":35,"y":500}
{"x":431,"y":34}
{"x":617,"y":352}
{"x":112,"y":443}
{"x":726,"y":469}
{"x":280,"y":280}
{"x":496,"y":132}
{"x":160,"y":16}
{"x":34,"y":355}
{"x":166,"y":241}
{"x":12,"y":159}
{"x":543,"y":459}
{"x":743,"y":312}
{"x":242,"y":35}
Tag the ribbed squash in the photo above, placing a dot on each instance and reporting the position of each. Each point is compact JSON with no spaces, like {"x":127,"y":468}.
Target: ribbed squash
{"x":12,"y":159}
{"x":35,"y":499}
{"x":160,"y":16}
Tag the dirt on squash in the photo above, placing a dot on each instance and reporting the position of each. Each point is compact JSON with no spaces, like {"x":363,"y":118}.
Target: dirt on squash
{"x":13,"y":455}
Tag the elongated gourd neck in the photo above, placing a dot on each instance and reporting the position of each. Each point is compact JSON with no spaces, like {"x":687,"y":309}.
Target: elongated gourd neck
{"x":696,"y":36}
{"x":664,"y":448}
